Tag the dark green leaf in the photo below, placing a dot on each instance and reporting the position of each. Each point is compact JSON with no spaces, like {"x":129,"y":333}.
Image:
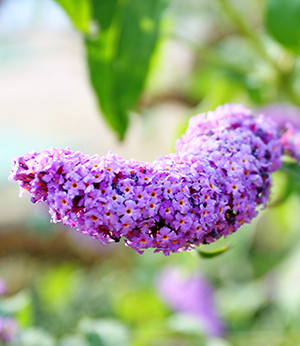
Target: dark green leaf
{"x":293,"y":174}
{"x":282,"y":19}
{"x":213,"y":253}
{"x":103,"y":12}
{"x":119,"y":57}
{"x":79,"y":12}
{"x":293,"y":170}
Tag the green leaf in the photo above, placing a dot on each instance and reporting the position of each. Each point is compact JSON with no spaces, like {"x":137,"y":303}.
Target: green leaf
{"x":104,"y":332}
{"x":14,"y":304}
{"x":292,"y":169}
{"x":73,"y":340}
{"x":186,"y":324}
{"x":35,"y":337}
{"x":119,"y":57}
{"x":103,"y":12}
{"x":128,"y":307}
{"x":282,"y":20}
{"x":293,"y":178}
{"x":213,"y":253}
{"x":292,"y":184}
{"x":56,"y":287}
{"x":79,"y":12}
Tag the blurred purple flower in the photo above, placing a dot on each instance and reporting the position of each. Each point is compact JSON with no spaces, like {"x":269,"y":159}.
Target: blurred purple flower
{"x":282,"y":114}
{"x":193,"y":296}
{"x":3,"y":287}
{"x":287,"y":117}
{"x":8,"y":329}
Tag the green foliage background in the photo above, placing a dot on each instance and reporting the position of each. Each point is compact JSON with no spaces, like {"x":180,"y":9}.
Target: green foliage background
{"x":250,"y":52}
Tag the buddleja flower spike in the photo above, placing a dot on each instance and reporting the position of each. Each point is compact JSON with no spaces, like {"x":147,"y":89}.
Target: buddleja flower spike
{"x":213,"y":184}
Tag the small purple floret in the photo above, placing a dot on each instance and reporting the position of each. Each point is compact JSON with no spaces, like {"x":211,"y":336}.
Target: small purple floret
{"x":213,"y":184}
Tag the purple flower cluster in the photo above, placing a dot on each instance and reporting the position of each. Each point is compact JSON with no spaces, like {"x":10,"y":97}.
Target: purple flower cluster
{"x":8,"y":329}
{"x":193,"y":296}
{"x":212,"y":185}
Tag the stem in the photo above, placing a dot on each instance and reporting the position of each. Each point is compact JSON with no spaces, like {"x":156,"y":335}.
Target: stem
{"x":211,"y":55}
{"x":284,"y":73}
{"x":243,"y":27}
{"x":285,"y":78}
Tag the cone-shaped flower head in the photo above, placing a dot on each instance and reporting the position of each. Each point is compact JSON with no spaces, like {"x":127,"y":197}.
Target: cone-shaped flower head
{"x":212,"y":185}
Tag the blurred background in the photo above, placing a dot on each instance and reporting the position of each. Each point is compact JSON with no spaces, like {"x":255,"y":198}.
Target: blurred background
{"x":125,"y":76}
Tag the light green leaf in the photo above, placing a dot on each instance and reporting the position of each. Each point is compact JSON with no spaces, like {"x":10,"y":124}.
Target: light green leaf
{"x":282,"y":19}
{"x":213,"y":253}
{"x":119,"y":57}
{"x":104,"y":332}
{"x":14,"y":304}
{"x":293,"y":171}
{"x":57,"y":286}
{"x":73,"y":340}
{"x":35,"y":337}
{"x":128,"y":307}
{"x":79,"y":12}
{"x":186,"y":324}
